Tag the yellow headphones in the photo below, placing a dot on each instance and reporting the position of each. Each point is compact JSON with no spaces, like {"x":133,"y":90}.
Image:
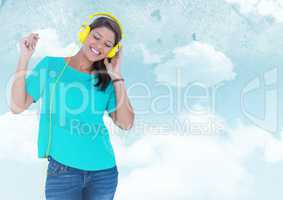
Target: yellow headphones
{"x":85,"y":29}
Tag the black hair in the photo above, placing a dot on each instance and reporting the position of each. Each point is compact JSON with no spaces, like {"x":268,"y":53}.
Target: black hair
{"x":99,"y":66}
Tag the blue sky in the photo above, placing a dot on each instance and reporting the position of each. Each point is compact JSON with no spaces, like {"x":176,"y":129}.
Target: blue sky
{"x":185,"y":63}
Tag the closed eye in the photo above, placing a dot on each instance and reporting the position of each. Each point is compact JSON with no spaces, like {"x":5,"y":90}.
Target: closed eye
{"x":97,"y":38}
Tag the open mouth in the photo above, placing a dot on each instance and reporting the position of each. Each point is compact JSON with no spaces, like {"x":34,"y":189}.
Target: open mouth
{"x":95,"y":51}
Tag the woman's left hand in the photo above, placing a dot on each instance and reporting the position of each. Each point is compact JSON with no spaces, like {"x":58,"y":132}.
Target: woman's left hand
{"x":113,"y":67}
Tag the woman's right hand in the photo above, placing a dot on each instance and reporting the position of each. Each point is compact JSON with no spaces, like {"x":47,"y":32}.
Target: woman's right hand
{"x":27,"y":45}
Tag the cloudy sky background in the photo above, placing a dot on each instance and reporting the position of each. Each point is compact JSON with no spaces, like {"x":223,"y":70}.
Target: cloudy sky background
{"x":203,"y":77}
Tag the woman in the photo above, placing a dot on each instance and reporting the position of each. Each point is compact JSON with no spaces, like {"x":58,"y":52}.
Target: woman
{"x":81,"y":159}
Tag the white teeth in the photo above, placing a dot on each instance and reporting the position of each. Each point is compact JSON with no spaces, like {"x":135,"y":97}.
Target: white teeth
{"x":95,"y":51}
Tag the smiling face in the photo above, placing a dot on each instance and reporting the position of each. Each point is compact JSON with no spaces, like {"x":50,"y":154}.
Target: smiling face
{"x":98,"y":43}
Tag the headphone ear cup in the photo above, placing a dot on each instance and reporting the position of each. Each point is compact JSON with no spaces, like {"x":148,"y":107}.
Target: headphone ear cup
{"x":113,"y":51}
{"x":83,"y":33}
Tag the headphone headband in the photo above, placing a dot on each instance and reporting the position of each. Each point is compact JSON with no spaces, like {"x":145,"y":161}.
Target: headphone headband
{"x":109,"y":15}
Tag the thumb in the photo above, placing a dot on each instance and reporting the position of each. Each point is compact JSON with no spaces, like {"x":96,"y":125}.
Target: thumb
{"x":106,"y":62}
{"x":107,"y":65}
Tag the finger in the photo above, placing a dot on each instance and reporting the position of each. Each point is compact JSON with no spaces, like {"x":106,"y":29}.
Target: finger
{"x":120,"y":50}
{"x":106,"y":62}
{"x":35,"y":36}
{"x":34,"y":42}
{"x":31,"y":44}
{"x":26,"y":43}
{"x":31,"y":38}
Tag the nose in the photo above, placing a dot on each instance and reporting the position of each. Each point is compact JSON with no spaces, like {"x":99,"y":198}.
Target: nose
{"x":99,"y":45}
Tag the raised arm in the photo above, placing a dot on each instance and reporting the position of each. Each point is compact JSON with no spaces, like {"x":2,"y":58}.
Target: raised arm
{"x":20,"y":100}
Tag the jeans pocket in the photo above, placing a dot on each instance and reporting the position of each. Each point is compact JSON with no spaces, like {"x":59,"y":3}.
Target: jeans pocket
{"x":56,"y":168}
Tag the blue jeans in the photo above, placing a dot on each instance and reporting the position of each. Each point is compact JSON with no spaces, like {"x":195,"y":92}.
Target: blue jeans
{"x":67,"y":183}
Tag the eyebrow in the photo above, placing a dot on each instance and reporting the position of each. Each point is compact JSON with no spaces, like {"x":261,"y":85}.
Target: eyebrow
{"x":102,"y":36}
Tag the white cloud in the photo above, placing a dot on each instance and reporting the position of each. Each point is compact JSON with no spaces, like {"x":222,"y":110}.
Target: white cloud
{"x":181,"y":167}
{"x":18,"y":136}
{"x":196,"y":166}
{"x":49,"y":36}
{"x":171,"y":166}
{"x":273,"y":8}
{"x":149,"y":57}
{"x":274,"y":150}
{"x":198,"y":62}
{"x":246,"y":140}
{"x":18,"y":157}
